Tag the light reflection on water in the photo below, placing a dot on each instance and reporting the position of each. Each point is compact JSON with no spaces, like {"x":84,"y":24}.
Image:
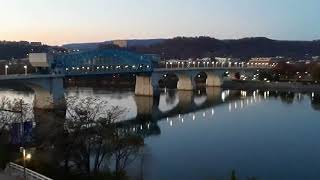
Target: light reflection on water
{"x":260,"y":135}
{"x":207,"y":134}
{"x":27,"y":98}
{"x":121,"y":99}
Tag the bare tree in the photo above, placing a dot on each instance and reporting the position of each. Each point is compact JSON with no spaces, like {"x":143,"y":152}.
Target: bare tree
{"x":126,"y":148}
{"x":12,"y":111}
{"x":90,"y":141}
{"x":91,"y":125}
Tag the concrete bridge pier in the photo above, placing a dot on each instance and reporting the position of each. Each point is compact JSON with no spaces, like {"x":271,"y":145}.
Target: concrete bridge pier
{"x":147,"y":85}
{"x":49,"y":93}
{"x":143,"y":86}
{"x":186,"y":82}
{"x":213,"y":80}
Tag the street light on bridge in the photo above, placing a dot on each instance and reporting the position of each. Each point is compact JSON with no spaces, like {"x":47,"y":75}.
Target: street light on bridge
{"x":6,"y":69}
{"x":25,"y":69}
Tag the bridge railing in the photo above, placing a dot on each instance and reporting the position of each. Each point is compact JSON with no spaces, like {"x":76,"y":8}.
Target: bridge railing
{"x":212,"y":64}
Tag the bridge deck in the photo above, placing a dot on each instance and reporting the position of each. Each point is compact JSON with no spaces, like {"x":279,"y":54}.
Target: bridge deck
{"x":29,"y":76}
{"x":43,"y":76}
{"x":207,"y":68}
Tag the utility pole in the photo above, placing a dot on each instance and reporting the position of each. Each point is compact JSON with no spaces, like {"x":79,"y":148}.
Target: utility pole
{"x":21,"y":119}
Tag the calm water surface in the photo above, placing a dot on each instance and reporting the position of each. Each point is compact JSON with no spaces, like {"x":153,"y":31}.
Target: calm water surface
{"x":209,"y":133}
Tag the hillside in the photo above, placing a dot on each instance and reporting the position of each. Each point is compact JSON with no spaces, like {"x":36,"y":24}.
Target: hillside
{"x":188,"y":47}
{"x":131,"y":43}
{"x":183,"y":47}
{"x":18,"y":50}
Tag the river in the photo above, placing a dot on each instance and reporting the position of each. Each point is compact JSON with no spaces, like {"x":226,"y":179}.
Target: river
{"x":208,"y":133}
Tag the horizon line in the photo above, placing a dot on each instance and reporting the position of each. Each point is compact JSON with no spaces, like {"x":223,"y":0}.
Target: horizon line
{"x":160,"y":38}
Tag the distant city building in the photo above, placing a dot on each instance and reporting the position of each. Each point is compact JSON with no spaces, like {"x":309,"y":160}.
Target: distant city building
{"x":35,"y":43}
{"x":42,"y":60}
{"x":121,"y":43}
{"x":261,"y":61}
{"x":227,"y":59}
{"x":24,"y":43}
{"x":205,"y":59}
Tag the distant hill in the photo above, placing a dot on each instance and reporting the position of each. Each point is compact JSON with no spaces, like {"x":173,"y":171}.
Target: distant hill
{"x":18,"y":50}
{"x":186,"y":47}
{"x":194,"y":47}
{"x":82,"y":46}
{"x":131,"y":43}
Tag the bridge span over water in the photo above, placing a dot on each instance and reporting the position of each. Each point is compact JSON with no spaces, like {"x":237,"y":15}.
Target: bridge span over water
{"x":49,"y":90}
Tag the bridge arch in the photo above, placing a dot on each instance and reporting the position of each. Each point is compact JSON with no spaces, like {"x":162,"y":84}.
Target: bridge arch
{"x":186,"y":81}
{"x":169,"y":80}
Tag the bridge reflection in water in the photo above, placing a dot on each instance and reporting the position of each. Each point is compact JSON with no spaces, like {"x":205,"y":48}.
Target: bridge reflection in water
{"x":144,"y":112}
{"x":173,"y":105}
{"x":140,"y":109}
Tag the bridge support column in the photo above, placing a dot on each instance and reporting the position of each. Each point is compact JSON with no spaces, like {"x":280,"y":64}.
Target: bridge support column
{"x":49,"y":93}
{"x":213,"y":80}
{"x":143,"y":86}
{"x":147,"y":85}
{"x":186,"y":82}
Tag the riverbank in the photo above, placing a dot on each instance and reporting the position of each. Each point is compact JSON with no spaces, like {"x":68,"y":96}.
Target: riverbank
{"x":272,"y":86}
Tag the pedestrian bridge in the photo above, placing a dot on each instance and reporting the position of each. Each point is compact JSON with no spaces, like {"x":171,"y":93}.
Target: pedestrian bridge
{"x":100,"y":62}
{"x":49,"y":90}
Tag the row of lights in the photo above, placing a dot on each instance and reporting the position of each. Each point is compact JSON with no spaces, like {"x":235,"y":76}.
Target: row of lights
{"x":6,"y":67}
{"x":204,"y":114}
{"x":216,"y":64}
{"x":105,"y":67}
{"x":232,"y":105}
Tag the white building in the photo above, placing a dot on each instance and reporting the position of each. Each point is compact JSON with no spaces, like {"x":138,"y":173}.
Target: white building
{"x":42,"y":60}
{"x":121,"y":43}
{"x":227,"y":59}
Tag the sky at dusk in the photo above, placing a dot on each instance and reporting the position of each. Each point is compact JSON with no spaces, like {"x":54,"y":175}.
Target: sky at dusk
{"x":57,"y":22}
